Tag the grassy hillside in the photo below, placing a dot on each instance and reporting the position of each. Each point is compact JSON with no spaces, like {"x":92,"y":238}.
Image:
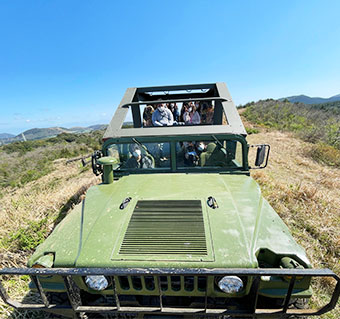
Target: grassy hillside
{"x":318,"y":124}
{"x":23,"y":162}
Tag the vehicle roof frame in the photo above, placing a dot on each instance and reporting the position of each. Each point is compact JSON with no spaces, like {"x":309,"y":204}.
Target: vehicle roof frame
{"x":134,"y":97}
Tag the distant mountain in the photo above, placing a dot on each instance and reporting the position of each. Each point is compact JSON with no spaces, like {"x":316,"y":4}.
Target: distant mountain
{"x":98,"y":127}
{"x":311,"y":100}
{"x":41,"y":133}
{"x":5,"y":136}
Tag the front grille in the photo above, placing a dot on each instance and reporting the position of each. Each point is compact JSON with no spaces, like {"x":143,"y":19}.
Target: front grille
{"x":166,"y":227}
{"x":167,"y":284}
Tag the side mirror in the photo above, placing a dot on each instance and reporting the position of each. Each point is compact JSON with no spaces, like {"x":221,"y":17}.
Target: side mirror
{"x":262,"y":155}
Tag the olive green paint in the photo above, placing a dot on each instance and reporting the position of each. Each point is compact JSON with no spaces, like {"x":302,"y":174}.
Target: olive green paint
{"x":243,"y":223}
{"x":108,"y":166}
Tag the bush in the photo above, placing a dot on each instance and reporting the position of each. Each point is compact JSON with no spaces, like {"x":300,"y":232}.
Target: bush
{"x":312,"y":123}
{"x":326,"y":154}
{"x":251,"y":130}
{"x":28,"y":238}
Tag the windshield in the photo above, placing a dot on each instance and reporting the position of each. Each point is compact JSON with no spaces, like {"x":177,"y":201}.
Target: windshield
{"x":189,"y":155}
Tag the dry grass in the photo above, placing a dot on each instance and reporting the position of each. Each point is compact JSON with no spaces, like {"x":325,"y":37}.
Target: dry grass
{"x":48,"y":198}
{"x":306,"y":195}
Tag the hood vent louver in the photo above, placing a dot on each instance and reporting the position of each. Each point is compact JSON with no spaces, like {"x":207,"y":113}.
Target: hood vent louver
{"x":165,"y":227}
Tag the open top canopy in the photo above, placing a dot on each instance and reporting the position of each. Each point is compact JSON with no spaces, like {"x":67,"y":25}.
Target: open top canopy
{"x":226,"y":119}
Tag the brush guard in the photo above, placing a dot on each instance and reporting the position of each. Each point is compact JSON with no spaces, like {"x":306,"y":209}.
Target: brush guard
{"x":79,"y":309}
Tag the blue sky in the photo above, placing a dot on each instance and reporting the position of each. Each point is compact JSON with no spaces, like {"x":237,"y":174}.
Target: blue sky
{"x":66,"y":63}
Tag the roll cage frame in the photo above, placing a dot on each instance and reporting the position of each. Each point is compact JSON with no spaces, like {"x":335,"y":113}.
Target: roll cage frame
{"x":135,"y":97}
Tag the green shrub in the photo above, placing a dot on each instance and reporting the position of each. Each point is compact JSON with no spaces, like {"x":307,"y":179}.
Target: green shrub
{"x":326,"y":154}
{"x":251,"y":130}
{"x":312,"y":123}
{"x":29,"y":237}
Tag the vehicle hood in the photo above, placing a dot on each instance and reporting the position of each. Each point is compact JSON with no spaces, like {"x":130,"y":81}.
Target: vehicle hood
{"x":92,"y":235}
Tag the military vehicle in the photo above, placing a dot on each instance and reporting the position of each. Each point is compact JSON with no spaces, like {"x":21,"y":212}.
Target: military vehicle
{"x":177,"y":228}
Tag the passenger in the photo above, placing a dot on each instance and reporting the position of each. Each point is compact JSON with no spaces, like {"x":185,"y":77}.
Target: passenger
{"x":200,"y":148}
{"x":203,"y":112}
{"x":147,"y":116}
{"x":186,"y":115}
{"x":194,"y":116}
{"x":205,"y":156}
{"x":175,"y":112}
{"x":190,"y":155}
{"x":214,"y":156}
{"x":209,"y":114}
{"x":183,"y":110}
{"x":198,"y":107}
{"x":138,"y":160}
{"x":162,"y":116}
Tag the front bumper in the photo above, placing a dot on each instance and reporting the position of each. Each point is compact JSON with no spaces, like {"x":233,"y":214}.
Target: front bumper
{"x":255,"y":286}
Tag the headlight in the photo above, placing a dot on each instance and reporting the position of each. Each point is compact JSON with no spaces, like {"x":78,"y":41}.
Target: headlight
{"x":96,"y":282}
{"x":230,"y":284}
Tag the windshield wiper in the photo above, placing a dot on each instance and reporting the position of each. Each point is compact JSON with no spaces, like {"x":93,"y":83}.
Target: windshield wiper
{"x":222,"y":148}
{"x":217,"y":141}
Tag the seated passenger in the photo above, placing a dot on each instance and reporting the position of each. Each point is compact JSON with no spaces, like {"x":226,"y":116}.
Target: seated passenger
{"x":214,"y":156}
{"x":205,"y":156}
{"x":190,"y":115}
{"x":147,"y":116}
{"x":183,"y":110}
{"x":162,"y":116}
{"x":209,"y":114}
{"x":138,"y":160}
{"x":194,"y":116}
{"x":174,"y":111}
{"x":190,"y":154}
{"x":186,"y":116}
{"x":200,"y":148}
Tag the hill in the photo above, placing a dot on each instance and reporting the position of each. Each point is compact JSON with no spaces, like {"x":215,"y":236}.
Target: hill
{"x":42,"y":133}
{"x":23,"y":162}
{"x":318,"y":124}
{"x":4,"y":136}
{"x":310,"y":100}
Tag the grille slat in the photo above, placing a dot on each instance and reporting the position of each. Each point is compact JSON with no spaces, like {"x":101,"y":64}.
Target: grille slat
{"x":165,"y":227}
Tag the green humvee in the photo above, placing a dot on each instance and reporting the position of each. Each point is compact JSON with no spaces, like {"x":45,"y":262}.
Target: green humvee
{"x":177,"y":228}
